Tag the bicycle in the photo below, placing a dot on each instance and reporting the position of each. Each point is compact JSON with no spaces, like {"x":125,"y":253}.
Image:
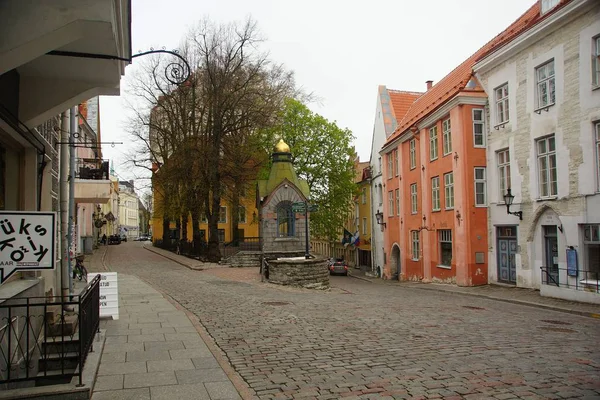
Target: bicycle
{"x":79,"y":271}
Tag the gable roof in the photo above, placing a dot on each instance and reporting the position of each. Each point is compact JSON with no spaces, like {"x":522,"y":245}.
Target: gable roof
{"x":401,"y":102}
{"x":457,"y":79}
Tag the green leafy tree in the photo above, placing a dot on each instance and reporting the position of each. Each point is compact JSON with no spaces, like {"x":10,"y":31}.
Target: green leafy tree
{"x":324,"y":157}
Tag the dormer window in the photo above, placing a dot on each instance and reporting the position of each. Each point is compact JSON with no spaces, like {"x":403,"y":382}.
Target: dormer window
{"x":548,"y":5}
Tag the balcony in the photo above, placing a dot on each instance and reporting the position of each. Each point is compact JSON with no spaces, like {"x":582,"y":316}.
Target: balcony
{"x":92,"y":184}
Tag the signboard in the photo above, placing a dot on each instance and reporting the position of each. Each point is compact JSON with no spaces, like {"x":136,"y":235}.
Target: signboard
{"x":109,"y":293}
{"x":27,"y":241}
{"x":571,"y":262}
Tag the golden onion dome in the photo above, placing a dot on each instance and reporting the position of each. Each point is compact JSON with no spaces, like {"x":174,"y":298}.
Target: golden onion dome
{"x":282,"y":147}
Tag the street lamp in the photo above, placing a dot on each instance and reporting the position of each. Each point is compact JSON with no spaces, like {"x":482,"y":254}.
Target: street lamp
{"x":98,"y":217}
{"x":379,"y":216}
{"x":508,"y":199}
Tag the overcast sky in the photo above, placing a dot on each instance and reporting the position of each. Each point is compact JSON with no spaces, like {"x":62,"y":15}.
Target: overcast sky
{"x":339,"y":50}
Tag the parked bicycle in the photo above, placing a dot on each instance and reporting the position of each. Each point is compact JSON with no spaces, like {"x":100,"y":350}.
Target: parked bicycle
{"x":79,"y":271}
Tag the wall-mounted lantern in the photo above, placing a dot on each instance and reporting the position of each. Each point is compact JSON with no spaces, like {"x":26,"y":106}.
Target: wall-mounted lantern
{"x":508,"y":199}
{"x":379,"y":216}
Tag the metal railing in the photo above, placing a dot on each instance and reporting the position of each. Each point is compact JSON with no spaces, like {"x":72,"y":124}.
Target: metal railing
{"x":572,"y":279}
{"x":92,"y":168}
{"x":199,"y":249}
{"x":47,"y":339}
{"x":243,"y":244}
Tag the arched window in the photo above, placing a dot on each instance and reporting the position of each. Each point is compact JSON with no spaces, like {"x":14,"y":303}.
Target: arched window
{"x":285,"y":219}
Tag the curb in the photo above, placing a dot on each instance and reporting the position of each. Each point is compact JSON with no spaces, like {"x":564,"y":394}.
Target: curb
{"x":173,"y":259}
{"x":512,"y":301}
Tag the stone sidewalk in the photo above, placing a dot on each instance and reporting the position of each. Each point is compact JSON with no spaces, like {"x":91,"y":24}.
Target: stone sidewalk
{"x":509,"y":294}
{"x":156,"y":350}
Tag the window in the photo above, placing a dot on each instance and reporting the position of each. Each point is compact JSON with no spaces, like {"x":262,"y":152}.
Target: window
{"x":390,"y":203}
{"x":478,"y":136}
{"x":396,"y":166}
{"x":544,"y":77}
{"x":242,"y":215}
{"x":503,"y":158}
{"x":480,"y":195}
{"x":501,"y":94}
{"x":597,"y":134}
{"x":596,"y":62}
{"x":285,"y":219}
{"x":203,"y":219}
{"x":415,"y":245}
{"x":447,"y":137}
{"x":380,"y":194}
{"x":221,"y":235}
{"x":449,"y":190}
{"x":546,"y":154}
{"x":435,"y":193}
{"x":445,"y":238}
{"x":591,"y":240}
{"x":433,"y":143}
{"x":547,"y":5}
{"x":364,"y":195}
{"x":412,"y":146}
{"x":380,"y":166}
{"x":390,"y":166}
{"x":223,"y":215}
{"x":364,"y":225}
{"x":397,"y":201}
{"x":413,"y":198}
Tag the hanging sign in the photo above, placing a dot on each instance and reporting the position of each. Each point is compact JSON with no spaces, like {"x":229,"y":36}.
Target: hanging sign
{"x":27,"y":241}
{"x":109,"y":293}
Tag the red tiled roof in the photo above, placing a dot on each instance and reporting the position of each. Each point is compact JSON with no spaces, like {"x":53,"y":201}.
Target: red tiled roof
{"x":456,"y":80}
{"x":401,"y":102}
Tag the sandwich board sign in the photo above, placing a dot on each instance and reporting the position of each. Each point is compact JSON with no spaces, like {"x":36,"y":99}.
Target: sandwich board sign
{"x":27,"y":241}
{"x":109,"y":293}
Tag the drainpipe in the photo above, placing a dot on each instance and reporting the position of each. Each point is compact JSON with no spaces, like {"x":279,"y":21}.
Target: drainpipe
{"x":64,"y":204}
{"x":72,"y":192}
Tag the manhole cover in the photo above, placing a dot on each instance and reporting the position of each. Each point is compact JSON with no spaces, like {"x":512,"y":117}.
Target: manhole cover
{"x":552,"y":321}
{"x":553,"y":329}
{"x":276,"y":303}
{"x":474,"y":308}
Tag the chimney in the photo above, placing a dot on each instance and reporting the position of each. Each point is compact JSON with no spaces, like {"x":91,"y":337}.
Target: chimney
{"x":429,"y":84}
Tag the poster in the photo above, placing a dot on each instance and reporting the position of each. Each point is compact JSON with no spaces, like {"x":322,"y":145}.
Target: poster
{"x":27,"y":241}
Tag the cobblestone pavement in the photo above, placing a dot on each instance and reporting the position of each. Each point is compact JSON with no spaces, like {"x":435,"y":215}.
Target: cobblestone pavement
{"x":366,"y":341}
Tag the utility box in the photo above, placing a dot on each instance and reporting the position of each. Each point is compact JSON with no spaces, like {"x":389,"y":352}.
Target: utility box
{"x":88,"y":244}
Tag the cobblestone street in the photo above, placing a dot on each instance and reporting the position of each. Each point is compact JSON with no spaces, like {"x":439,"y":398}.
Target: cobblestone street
{"x":361,"y":340}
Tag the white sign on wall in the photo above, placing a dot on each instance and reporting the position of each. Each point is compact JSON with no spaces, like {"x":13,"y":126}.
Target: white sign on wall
{"x":109,"y":293}
{"x":27,"y":241}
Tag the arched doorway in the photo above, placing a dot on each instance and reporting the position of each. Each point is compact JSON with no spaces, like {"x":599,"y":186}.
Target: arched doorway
{"x":395,"y":264}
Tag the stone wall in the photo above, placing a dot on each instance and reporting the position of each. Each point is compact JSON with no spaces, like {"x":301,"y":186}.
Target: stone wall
{"x":310,"y":274}
{"x":245,"y":259}
{"x":271,"y":242}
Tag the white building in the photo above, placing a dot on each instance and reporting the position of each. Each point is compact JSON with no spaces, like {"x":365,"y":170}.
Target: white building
{"x":391,"y":107}
{"x":543,"y":144}
{"x":129,"y":214}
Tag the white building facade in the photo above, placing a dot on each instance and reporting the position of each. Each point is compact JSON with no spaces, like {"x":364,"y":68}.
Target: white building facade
{"x":543,"y":125}
{"x":129,"y":214}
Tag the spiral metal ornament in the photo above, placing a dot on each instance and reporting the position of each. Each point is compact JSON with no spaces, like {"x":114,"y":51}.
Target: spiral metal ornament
{"x":175,"y":72}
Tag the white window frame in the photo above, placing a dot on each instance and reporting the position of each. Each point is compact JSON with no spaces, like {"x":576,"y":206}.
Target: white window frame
{"x":364,"y":195}
{"x":433,"y":143}
{"x":415,"y":245}
{"x":222,"y":210}
{"x":503,"y":161}
{"x":364,"y":225}
{"x":547,"y":156}
{"x":396,"y":165}
{"x":435,"y":193}
{"x":447,"y":136}
{"x":480,"y":186}
{"x":391,"y":203}
{"x":413,"y":198}
{"x":545,"y":80}
{"x":596,"y":62}
{"x":597,"y":137}
{"x":547,"y":5}
{"x":397,"y":201}
{"x":412,"y":153}
{"x":501,"y":98}
{"x":390,"y":164}
{"x":380,"y":194}
{"x":242,"y":215}
{"x":445,"y":236}
{"x":481,"y":123}
{"x":449,"y":191}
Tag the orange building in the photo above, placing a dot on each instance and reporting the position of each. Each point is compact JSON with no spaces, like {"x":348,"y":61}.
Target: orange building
{"x":435,"y":180}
